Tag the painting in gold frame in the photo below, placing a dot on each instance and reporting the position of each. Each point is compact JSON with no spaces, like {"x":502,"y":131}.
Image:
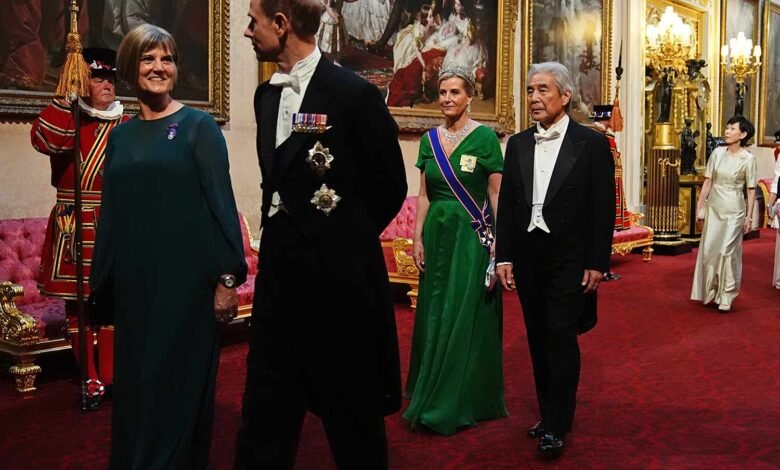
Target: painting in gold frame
{"x":580,"y":38}
{"x":492,"y":26}
{"x":769,"y":113}
{"x":201,"y":28}
{"x":736,"y":16}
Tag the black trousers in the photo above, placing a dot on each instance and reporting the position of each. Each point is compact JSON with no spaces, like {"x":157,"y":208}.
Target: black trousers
{"x":303,"y":358}
{"x":549,"y":273}
{"x":273,"y":414}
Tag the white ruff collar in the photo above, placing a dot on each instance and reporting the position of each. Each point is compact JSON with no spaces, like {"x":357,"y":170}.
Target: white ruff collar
{"x":114,"y":110}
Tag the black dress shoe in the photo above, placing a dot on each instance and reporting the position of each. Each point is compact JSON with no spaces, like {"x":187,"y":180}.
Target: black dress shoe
{"x":537,"y":430}
{"x":551,"y":445}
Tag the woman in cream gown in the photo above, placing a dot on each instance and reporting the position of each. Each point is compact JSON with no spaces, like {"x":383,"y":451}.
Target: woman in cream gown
{"x":726,"y":218}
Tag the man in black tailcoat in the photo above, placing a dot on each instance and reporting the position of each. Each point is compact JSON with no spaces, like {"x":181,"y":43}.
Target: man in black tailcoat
{"x":556,"y":214}
{"x":323,"y":333}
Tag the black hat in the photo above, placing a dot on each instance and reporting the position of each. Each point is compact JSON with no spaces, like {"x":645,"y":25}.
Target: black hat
{"x":100,"y":59}
{"x":601,"y":112}
{"x":777,"y":136}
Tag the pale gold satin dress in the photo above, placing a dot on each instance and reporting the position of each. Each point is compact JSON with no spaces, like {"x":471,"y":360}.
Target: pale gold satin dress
{"x":719,"y":263}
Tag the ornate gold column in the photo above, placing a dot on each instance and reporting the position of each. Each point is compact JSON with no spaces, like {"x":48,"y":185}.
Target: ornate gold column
{"x":670,"y":42}
{"x":663,"y":191}
{"x":663,"y":182}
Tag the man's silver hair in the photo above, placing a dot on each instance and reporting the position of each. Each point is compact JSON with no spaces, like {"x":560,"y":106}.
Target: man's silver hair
{"x":559,"y":72}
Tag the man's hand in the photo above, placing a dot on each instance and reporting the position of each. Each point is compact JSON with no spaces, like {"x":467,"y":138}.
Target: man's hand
{"x":591,"y":280}
{"x":225,"y":303}
{"x":506,"y":276}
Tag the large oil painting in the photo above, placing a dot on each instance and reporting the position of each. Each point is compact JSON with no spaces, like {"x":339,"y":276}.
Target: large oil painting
{"x":32,"y":39}
{"x":576,"y":33}
{"x":738,"y":16}
{"x":769,"y":119}
{"x":401,"y":45}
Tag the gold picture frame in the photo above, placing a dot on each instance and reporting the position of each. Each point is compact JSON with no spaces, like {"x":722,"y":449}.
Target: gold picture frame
{"x":769,"y":106}
{"x":535,"y":50}
{"x":197,"y":53}
{"x":736,"y":16}
{"x":494,"y":108}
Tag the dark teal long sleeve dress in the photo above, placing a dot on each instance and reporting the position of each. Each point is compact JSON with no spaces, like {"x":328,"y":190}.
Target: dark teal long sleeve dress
{"x":168,"y":229}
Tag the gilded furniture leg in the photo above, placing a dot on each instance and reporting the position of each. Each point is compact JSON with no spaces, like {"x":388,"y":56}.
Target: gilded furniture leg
{"x":406,"y":270}
{"x":647,"y":254}
{"x":21,"y":331}
{"x":413,"y":296}
{"x":25,"y":373}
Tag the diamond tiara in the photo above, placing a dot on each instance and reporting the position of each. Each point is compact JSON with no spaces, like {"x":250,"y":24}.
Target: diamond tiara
{"x":459,"y":71}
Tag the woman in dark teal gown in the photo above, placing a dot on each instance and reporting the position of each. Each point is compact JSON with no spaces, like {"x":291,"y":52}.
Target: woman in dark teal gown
{"x":167,"y":235}
{"x":455,"y":374}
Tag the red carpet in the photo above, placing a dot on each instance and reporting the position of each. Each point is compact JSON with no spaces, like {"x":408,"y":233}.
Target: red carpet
{"x":666,"y":383}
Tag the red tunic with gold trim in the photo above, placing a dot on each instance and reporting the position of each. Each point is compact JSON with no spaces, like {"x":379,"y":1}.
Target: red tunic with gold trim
{"x":622,"y":219}
{"x":53,"y":134}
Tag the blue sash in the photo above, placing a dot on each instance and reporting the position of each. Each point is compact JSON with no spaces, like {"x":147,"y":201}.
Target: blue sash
{"x":480,"y":218}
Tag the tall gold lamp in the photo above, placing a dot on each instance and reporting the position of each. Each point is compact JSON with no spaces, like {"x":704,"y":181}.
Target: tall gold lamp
{"x":669,"y":43}
{"x":740,"y":58}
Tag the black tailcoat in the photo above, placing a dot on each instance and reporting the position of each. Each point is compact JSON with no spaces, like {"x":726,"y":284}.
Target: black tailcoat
{"x":322,"y":301}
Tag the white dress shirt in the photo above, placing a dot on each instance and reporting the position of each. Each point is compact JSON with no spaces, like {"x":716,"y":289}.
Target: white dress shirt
{"x":294,"y":87}
{"x":290,"y":101}
{"x":548,"y":145}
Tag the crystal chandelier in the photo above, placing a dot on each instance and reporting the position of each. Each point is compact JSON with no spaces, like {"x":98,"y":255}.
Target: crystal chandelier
{"x":669,"y":43}
{"x":740,"y":59}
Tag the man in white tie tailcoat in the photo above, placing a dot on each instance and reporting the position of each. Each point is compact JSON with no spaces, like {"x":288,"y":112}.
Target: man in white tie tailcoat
{"x":553,"y":241}
{"x":323,"y":335}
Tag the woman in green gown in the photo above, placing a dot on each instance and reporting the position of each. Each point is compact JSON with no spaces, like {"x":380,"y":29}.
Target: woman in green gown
{"x":455,"y":375}
{"x":169,"y":250}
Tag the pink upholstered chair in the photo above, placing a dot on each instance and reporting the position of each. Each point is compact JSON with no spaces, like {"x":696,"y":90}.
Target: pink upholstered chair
{"x":30,"y":324}
{"x":246,"y":291}
{"x":637,"y":236}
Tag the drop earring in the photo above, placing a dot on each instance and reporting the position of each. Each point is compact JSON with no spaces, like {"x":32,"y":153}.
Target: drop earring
{"x":468,"y":108}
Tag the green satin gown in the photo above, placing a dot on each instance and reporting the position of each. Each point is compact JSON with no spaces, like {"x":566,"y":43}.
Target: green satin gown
{"x":455,"y":375}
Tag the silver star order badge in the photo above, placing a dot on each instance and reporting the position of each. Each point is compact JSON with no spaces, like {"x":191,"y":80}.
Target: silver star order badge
{"x":319,"y":158}
{"x":325,"y":199}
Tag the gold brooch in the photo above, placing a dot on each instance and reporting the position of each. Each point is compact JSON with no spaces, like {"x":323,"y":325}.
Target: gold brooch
{"x":319,"y":158}
{"x":325,"y":199}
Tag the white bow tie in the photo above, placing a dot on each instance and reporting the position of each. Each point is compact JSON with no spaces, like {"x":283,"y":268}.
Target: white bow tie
{"x":552,"y":135}
{"x":284,"y":80}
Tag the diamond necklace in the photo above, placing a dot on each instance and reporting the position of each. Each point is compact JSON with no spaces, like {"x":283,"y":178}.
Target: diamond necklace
{"x":455,"y":137}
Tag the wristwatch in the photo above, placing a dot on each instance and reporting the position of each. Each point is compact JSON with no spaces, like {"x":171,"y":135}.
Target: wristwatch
{"x":228,"y":280}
